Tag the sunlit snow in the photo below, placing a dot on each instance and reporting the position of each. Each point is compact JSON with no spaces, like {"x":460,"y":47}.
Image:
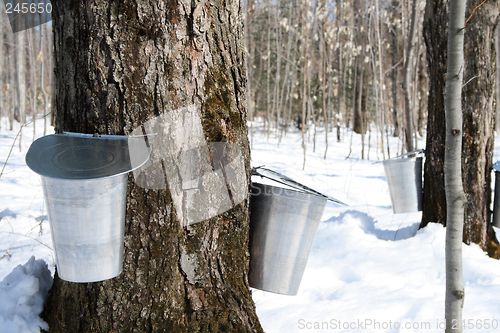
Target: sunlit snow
{"x":369,"y":270}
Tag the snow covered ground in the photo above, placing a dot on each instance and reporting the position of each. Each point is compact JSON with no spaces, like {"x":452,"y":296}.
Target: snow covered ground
{"x":369,"y":269}
{"x":24,"y":233}
{"x":366,"y":273}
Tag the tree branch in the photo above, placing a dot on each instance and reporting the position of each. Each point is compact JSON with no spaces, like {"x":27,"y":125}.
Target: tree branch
{"x":475,"y":8}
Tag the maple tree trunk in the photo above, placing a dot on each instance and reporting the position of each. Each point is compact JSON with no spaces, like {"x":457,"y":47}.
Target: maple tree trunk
{"x":117,"y":65}
{"x":435,"y":27}
{"x":478,"y":120}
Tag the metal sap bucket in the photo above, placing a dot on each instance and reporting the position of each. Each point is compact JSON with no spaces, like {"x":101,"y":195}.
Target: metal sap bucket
{"x":496,"y":202}
{"x":84,"y":181}
{"x":283,"y":224}
{"x":404,"y":177}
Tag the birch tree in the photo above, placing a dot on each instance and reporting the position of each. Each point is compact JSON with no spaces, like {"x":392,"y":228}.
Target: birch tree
{"x":408,"y":136}
{"x":453,"y":168}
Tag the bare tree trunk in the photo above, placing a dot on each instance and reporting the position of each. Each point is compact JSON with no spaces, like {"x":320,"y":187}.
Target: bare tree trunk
{"x":354,"y":89}
{"x":359,"y":122}
{"x":349,"y":80}
{"x":20,"y":38}
{"x":21,"y":73}
{"x":248,"y":11}
{"x":288,"y":82}
{"x":340,"y":71}
{"x":324,"y":73}
{"x":497,"y":80}
{"x":422,"y":93}
{"x":2,"y":65}
{"x":14,"y":101}
{"x":42,"y":78}
{"x":478,"y":132}
{"x":268,"y":73}
{"x":361,"y":109}
{"x":453,"y":168}
{"x":435,"y":27}
{"x":478,"y":123}
{"x":406,"y":82}
{"x":277,"y":79}
{"x":304,"y":77}
{"x":394,"y":72}
{"x":31,"y":56}
{"x":136,"y":61}
{"x":381,"y":83}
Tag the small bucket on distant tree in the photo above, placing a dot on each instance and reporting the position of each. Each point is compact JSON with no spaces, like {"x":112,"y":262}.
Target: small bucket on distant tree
{"x":404,"y":178}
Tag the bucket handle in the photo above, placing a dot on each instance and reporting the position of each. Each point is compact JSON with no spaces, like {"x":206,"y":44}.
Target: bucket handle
{"x":107,"y":136}
{"x":420,"y":151}
{"x":282,"y":179}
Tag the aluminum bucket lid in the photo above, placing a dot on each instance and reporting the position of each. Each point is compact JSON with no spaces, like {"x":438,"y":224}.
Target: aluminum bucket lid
{"x":81,"y":156}
{"x":84,"y":180}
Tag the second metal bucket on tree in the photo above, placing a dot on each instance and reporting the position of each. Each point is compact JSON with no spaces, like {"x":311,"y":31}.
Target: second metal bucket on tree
{"x":404,"y":178}
{"x":84,"y":181}
{"x":283,"y":224}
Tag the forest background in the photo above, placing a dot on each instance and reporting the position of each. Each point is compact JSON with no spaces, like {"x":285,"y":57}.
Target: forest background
{"x":333,"y":64}
{"x":320,"y":66}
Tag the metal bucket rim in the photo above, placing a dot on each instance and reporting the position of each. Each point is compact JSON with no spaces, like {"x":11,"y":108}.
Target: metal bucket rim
{"x":85,"y":179}
{"x":284,"y":180}
{"x":52,"y":143}
{"x":402,"y":160}
{"x":307,"y":194}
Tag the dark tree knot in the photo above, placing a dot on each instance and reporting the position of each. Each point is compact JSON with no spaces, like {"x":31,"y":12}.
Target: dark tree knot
{"x":459,"y":294}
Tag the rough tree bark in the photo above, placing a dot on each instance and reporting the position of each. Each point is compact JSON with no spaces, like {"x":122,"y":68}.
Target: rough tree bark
{"x":2,"y":65}
{"x":435,"y":27}
{"x":454,"y":299}
{"x":394,"y":71}
{"x":478,"y":120}
{"x":497,"y":81}
{"x":118,"y":65}
{"x":359,"y":116}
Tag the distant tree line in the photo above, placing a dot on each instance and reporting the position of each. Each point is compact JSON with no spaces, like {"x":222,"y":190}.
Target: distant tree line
{"x":25,"y":67}
{"x":310,"y":64}
{"x":338,"y":64}
{"x":332,"y":64}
